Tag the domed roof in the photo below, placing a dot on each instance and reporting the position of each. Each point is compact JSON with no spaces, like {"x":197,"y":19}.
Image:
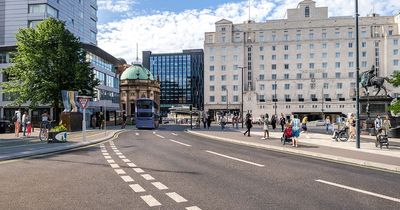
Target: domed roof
{"x":137,"y":71}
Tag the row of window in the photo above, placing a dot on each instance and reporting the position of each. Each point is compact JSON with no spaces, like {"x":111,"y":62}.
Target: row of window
{"x":107,"y":80}
{"x":100,"y":62}
{"x":287,"y":98}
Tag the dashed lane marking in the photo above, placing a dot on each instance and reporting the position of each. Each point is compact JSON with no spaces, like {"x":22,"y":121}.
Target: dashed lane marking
{"x":122,"y":156}
{"x":174,"y":134}
{"x":147,"y":177}
{"x":105,"y":153}
{"x":160,"y":136}
{"x":111,"y":161}
{"x":126,"y":160}
{"x":127,"y":178}
{"x":359,"y":190}
{"x":154,"y":132}
{"x":193,"y":208}
{"x":118,"y":153}
{"x":137,"y":134}
{"x":159,"y":185}
{"x":180,"y":143}
{"x":233,"y":158}
{"x":119,"y":171}
{"x":138,"y":170}
{"x":131,"y":165}
{"x":107,"y":157}
{"x":114,"y":165}
{"x":150,"y":200}
{"x":137,"y":188}
{"x":176,"y":197}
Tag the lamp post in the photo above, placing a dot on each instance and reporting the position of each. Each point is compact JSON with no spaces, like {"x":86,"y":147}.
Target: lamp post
{"x":357,"y":79}
{"x":242,"y":111}
{"x":227,"y":101}
{"x":275,"y":99}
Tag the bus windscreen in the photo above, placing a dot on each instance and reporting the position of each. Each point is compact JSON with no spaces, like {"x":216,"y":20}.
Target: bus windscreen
{"x":144,"y":104}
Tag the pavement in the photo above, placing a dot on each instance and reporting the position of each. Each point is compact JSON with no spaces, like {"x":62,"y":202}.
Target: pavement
{"x":12,"y":147}
{"x":316,"y":145}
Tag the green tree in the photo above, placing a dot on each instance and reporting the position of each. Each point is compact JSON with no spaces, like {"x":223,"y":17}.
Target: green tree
{"x":395,"y":81}
{"x":48,"y":59}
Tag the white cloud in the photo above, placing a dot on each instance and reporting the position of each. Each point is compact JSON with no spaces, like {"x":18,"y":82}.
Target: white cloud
{"x":115,"y":5}
{"x":171,"y":32}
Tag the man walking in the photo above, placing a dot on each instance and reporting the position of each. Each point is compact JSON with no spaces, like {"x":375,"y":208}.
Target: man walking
{"x":249,"y":125}
{"x":378,"y":124}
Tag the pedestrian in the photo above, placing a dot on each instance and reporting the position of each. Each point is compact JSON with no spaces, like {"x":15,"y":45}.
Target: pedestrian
{"x":94,"y":121}
{"x":304,"y":126}
{"x":386,"y":125}
{"x":237,"y":121}
{"x":282,"y":121}
{"x":28,"y":128}
{"x":328,"y":124}
{"x":205,"y":121}
{"x":378,"y":124}
{"x":351,"y":123}
{"x":249,"y":125}
{"x":273,"y":122}
{"x":23,"y":123}
{"x":17,"y":122}
{"x":124,"y":117}
{"x":101,"y":120}
{"x":295,"y":130}
{"x":233,"y":120}
{"x":223,"y":122}
{"x":266,"y":123}
{"x":209,"y":122}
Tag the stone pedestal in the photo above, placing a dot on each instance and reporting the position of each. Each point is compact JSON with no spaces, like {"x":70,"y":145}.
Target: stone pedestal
{"x":377,"y":105}
{"x":72,"y":121}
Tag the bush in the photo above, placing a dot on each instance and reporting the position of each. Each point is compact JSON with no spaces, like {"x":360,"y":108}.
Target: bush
{"x":59,"y":128}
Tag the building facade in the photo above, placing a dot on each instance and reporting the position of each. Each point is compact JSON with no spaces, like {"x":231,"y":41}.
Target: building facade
{"x":304,"y":64}
{"x":180,"y":76}
{"x":80,"y":18}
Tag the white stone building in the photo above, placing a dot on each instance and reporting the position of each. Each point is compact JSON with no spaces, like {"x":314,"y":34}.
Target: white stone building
{"x":307,"y":62}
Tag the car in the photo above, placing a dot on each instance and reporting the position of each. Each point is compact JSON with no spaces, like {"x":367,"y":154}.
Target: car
{"x":320,"y":123}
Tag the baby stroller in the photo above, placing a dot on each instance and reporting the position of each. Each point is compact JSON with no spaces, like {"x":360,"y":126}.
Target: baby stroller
{"x":382,"y":139}
{"x":287,"y":135}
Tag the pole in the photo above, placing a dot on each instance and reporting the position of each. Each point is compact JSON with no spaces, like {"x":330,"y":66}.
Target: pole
{"x":84,"y":125}
{"x":275,"y":99}
{"x":242,"y":111}
{"x":191,"y":120}
{"x":105,"y":117}
{"x":227,"y":105}
{"x":357,"y":79}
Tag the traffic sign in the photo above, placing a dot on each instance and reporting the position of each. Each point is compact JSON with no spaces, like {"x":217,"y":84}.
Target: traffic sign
{"x":84,"y":101}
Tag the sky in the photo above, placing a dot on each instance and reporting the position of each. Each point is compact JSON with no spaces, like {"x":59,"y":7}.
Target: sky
{"x":163,"y":26}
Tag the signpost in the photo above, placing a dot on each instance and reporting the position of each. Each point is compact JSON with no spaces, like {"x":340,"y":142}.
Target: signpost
{"x":84,"y":101}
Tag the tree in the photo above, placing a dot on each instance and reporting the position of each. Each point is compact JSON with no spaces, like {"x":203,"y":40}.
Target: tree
{"x":395,"y":81}
{"x":48,"y":59}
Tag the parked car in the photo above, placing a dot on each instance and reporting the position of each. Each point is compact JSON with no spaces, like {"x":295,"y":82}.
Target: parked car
{"x":320,"y":123}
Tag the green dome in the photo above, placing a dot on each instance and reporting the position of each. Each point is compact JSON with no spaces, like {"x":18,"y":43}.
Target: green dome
{"x":137,"y":71}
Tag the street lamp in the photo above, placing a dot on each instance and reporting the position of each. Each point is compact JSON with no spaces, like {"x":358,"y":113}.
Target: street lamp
{"x":242,"y":111}
{"x":357,"y":79}
{"x":227,"y":101}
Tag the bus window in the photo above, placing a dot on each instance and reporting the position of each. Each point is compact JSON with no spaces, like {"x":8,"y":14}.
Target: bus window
{"x":144,"y":104}
{"x":145,"y":114}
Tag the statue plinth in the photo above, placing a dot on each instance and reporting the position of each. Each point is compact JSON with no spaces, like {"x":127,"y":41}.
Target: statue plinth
{"x":72,"y":121}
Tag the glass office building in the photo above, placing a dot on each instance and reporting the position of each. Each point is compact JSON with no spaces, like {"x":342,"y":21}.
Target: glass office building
{"x":180,"y":76}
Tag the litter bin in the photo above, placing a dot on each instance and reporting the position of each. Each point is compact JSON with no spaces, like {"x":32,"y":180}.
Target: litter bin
{"x":4,"y":125}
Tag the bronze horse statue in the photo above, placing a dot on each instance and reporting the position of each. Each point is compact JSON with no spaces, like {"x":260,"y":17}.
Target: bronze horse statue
{"x":369,"y":79}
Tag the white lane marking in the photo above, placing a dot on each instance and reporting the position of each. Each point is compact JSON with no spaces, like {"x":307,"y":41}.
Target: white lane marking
{"x":137,"y":188}
{"x":110,"y":161}
{"x":180,"y":143}
{"x":174,"y":134}
{"x":359,"y":190}
{"x":237,"y":159}
{"x":118,"y":153}
{"x":105,"y":153}
{"x":154,"y":132}
{"x":160,"y":136}
{"x":126,"y":160}
{"x":137,"y":134}
{"x":113,"y":165}
{"x":127,"y":178}
{"x":147,"y":177}
{"x":107,"y":157}
{"x":150,"y":200}
{"x":176,"y":197}
{"x":119,"y":171}
{"x":122,"y":156}
{"x":159,"y":185}
{"x":131,"y":165}
{"x":138,"y":170}
{"x":193,"y":208}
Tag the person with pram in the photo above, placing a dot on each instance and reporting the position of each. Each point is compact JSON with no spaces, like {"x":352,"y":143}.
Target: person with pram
{"x":287,"y":134}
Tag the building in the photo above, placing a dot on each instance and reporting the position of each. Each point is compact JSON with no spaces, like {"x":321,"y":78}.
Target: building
{"x":137,"y":82}
{"x":81,"y":19}
{"x":180,"y":76}
{"x":304,"y":64}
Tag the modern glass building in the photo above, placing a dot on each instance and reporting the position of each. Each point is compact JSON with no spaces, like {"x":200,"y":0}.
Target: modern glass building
{"x":180,"y":76}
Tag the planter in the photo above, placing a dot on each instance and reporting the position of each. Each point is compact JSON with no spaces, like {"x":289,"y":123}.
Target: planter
{"x":57,"y":137}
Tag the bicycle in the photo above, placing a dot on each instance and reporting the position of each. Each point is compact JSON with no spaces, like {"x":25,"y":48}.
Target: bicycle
{"x":44,"y":131}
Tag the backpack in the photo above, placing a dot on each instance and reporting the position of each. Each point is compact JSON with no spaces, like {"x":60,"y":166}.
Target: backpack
{"x":14,"y":118}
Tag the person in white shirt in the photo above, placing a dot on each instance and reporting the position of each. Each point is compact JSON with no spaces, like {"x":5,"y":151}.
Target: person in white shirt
{"x":378,"y":124}
{"x":17,"y":122}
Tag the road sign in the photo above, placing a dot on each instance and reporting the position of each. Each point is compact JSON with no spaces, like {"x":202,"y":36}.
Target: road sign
{"x":84,"y":102}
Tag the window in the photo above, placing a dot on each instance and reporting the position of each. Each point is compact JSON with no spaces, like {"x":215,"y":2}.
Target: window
{"x":223,"y":87}
{"x":273,"y":66}
{"x":324,"y":65}
{"x":311,"y":36}
{"x":298,"y":76}
{"x":223,"y":68}
{"x":235,"y":77}
{"x":312,"y":86}
{"x":311,"y":65}
{"x":324,"y":55}
{"x":223,"y":77}
{"x":33,"y":23}
{"x":337,"y":34}
{"x":261,"y":48}
{"x":262,"y":87}
{"x":337,"y":45}
{"x":325,"y":75}
{"x":395,"y":62}
{"x":211,"y":68}
{"x":298,"y":47}
{"x":350,"y":54}
{"x":274,"y":86}
{"x":311,"y":46}
{"x":93,"y":35}
{"x":212,"y":77}
{"x":364,"y":54}
{"x":273,"y":48}
{"x":286,"y":57}
{"x":235,"y":67}
{"x":235,"y":88}
{"x":273,"y":37}
{"x":324,"y":45}
{"x":286,"y":76}
{"x":286,"y":66}
{"x":212,"y":98}
{"x":211,"y":58}
{"x":261,"y":77}
{"x":337,"y":55}
{"x":261,"y":57}
{"x":323,"y":35}
{"x":261,"y":67}
{"x":223,"y":58}
{"x":273,"y":76}
{"x":299,"y":66}
{"x":287,"y":86}
{"x":286,"y":47}
{"x":326,"y":85}
{"x":364,"y":64}
{"x":350,"y":44}
{"x":223,"y":98}
{"x":350,"y":34}
{"x":273,"y":57}
{"x":395,"y":41}
{"x":339,"y":85}
{"x":351,"y":74}
{"x":3,"y":58}
{"x":351,"y":64}
{"x":312,"y":55}
{"x":298,"y":56}
{"x":235,"y":98}
{"x":212,"y":88}
{"x":337,"y":65}
{"x":300,"y":86}
{"x":337,"y":75}
{"x":363,"y":44}
{"x":312,"y":75}
{"x":363,"y":34}
{"x":395,"y":52}
{"x":298,"y":37}
{"x":286,"y":37}
{"x":313,"y":96}
{"x":307,"y":11}
{"x":235,"y":57}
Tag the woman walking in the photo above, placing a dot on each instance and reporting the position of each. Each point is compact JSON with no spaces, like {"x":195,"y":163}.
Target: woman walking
{"x":17,"y":122}
{"x":295,"y":130}
{"x":273,"y":122}
{"x":304,"y":126}
{"x":249,"y":125}
{"x":351,"y":123}
{"x":328,"y":124}
{"x":282,"y":121}
{"x":386,"y":125}
{"x":265,"y":127}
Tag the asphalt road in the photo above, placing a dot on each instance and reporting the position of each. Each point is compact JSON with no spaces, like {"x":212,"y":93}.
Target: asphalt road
{"x":170,"y":169}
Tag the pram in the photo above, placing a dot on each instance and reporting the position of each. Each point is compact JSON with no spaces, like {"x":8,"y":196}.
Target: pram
{"x":287,"y":135}
{"x":382,"y":139}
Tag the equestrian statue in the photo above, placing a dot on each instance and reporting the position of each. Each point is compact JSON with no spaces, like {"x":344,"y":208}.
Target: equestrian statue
{"x":370,"y":79}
